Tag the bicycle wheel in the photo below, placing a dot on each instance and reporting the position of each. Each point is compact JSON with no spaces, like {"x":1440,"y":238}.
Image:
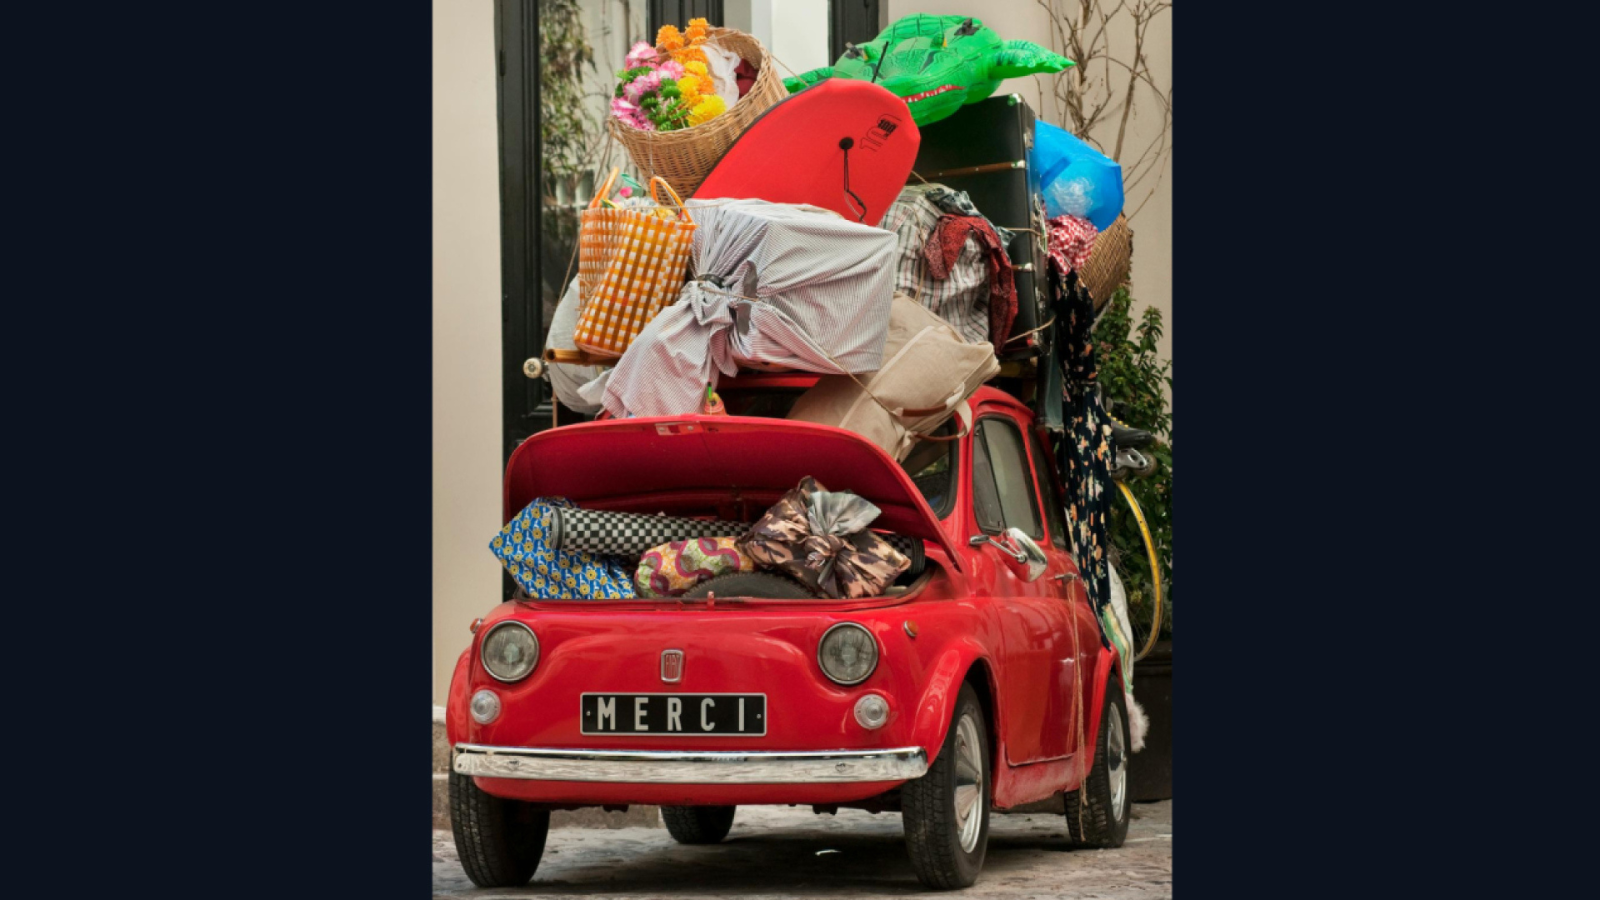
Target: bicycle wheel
{"x":1145,"y":617}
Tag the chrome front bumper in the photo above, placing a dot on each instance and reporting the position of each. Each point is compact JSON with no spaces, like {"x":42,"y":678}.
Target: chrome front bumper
{"x":690,"y":767}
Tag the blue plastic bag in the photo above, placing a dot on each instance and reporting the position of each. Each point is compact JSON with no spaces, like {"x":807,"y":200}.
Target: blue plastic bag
{"x":1075,"y":178}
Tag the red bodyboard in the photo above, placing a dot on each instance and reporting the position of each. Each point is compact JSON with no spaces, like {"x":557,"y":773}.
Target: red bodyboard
{"x":792,"y":153}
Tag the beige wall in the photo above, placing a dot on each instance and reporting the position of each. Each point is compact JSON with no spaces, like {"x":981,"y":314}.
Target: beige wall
{"x":1152,"y":226}
{"x":466,"y":327}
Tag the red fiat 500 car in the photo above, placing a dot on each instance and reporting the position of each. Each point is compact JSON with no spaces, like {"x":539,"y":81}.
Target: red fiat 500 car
{"x":978,"y":682}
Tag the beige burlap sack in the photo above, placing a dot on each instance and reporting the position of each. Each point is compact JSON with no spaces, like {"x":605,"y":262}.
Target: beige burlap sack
{"x":928,"y":371}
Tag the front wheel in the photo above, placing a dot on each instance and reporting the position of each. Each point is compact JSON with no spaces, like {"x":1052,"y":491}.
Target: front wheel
{"x":1097,"y":812}
{"x":499,"y":841}
{"x":946,"y":811}
{"x":698,"y":824}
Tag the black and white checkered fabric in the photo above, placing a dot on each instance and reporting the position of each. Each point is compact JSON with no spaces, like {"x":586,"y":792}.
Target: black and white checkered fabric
{"x":631,"y":534}
{"x":912,"y":548}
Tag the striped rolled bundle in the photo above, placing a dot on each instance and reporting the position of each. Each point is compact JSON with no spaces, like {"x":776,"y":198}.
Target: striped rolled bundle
{"x":607,"y":533}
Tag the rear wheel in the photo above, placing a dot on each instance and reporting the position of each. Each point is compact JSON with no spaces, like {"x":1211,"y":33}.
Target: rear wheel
{"x":499,"y":841}
{"x":1097,"y":813}
{"x":698,"y":824}
{"x":946,"y":811}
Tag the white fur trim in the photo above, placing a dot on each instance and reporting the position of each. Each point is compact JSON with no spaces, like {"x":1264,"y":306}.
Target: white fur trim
{"x":1138,"y":722}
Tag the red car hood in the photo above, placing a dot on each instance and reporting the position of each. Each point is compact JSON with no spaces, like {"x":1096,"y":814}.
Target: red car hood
{"x":642,"y":464}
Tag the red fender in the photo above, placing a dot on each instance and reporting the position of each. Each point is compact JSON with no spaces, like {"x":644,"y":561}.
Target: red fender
{"x":1105,"y":667}
{"x":455,"y":717}
{"x":937,"y":705}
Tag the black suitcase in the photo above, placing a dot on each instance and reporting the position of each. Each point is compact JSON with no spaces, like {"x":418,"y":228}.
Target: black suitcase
{"x":983,"y":150}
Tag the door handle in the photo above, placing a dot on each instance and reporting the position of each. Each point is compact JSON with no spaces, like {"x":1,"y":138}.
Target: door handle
{"x":1068,"y":577}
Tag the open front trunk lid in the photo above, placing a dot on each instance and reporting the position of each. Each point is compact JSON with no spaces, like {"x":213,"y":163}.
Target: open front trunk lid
{"x":650,"y":465}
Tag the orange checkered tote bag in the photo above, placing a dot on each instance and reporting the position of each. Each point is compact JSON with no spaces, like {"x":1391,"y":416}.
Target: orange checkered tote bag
{"x":631,"y":264}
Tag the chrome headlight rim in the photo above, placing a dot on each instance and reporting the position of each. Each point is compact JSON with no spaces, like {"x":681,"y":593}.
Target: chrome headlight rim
{"x":483,"y":646}
{"x":877,"y":652}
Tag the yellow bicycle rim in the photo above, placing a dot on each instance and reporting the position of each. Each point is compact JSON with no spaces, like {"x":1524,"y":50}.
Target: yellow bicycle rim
{"x":1155,"y":571}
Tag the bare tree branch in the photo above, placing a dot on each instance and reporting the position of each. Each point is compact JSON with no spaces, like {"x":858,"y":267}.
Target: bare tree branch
{"x":1111,"y":77}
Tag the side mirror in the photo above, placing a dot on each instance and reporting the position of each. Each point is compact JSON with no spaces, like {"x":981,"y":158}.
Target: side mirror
{"x":1032,"y":556}
{"x":1022,"y":549}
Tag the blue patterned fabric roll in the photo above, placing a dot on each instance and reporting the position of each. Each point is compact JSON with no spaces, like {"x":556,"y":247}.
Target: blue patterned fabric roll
{"x":546,"y":573}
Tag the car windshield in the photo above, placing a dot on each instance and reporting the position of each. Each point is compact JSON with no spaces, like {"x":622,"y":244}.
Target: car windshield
{"x":932,"y":467}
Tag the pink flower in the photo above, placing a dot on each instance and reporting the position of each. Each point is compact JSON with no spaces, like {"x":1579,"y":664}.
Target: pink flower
{"x":648,"y":83}
{"x":632,"y":115}
{"x":641,"y":54}
{"x":671,"y":69}
{"x":625,"y":192}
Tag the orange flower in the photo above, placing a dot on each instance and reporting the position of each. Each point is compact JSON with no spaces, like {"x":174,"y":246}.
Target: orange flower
{"x":668,"y":38}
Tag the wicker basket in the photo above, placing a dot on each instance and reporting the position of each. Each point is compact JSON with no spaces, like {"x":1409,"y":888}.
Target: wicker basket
{"x":1110,"y":262}
{"x":685,"y":157}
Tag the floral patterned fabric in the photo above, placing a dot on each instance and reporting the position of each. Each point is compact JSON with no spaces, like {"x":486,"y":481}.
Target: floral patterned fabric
{"x":672,"y":569}
{"x":1084,"y":454}
{"x":545,"y":573}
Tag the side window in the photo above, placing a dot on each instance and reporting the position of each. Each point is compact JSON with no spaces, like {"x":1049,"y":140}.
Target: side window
{"x":1002,"y":488}
{"x":1050,"y":494}
{"x":985,"y":499}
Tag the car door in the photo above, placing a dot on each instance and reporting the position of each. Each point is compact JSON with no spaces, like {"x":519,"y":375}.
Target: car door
{"x":1040,"y":667}
{"x":1074,"y":596}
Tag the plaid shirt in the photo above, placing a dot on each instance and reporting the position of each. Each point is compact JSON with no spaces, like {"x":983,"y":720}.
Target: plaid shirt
{"x":962,"y":299}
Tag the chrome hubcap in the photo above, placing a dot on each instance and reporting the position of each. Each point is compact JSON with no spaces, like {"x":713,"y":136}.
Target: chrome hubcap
{"x":969,"y":783}
{"x":1117,"y":764}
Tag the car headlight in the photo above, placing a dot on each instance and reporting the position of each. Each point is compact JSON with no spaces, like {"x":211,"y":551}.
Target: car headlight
{"x":848,"y":653}
{"x":510,"y":651}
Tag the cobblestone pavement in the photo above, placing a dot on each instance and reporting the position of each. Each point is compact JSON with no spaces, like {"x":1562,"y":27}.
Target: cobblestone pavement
{"x":783,"y":852}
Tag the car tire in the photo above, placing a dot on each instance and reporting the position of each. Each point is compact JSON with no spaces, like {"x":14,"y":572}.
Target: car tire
{"x":947,"y":848}
{"x":698,"y":824}
{"x":499,"y":841}
{"x":1104,"y":797}
{"x":760,"y":585}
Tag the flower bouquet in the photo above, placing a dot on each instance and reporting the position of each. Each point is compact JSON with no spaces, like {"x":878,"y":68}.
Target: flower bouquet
{"x":678,"y":105}
{"x":670,"y":89}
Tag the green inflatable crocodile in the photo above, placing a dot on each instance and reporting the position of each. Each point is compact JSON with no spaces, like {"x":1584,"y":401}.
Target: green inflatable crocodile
{"x":936,"y":63}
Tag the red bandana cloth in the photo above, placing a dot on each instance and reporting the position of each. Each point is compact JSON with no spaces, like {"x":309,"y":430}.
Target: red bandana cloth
{"x":944,"y":245}
{"x":1071,"y":242}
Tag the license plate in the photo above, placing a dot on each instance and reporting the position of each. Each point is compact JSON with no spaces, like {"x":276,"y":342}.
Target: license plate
{"x":674,"y":715}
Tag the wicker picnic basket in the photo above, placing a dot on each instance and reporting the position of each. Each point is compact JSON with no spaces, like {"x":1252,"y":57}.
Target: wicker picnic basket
{"x":685,"y":157}
{"x":1110,"y":263}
